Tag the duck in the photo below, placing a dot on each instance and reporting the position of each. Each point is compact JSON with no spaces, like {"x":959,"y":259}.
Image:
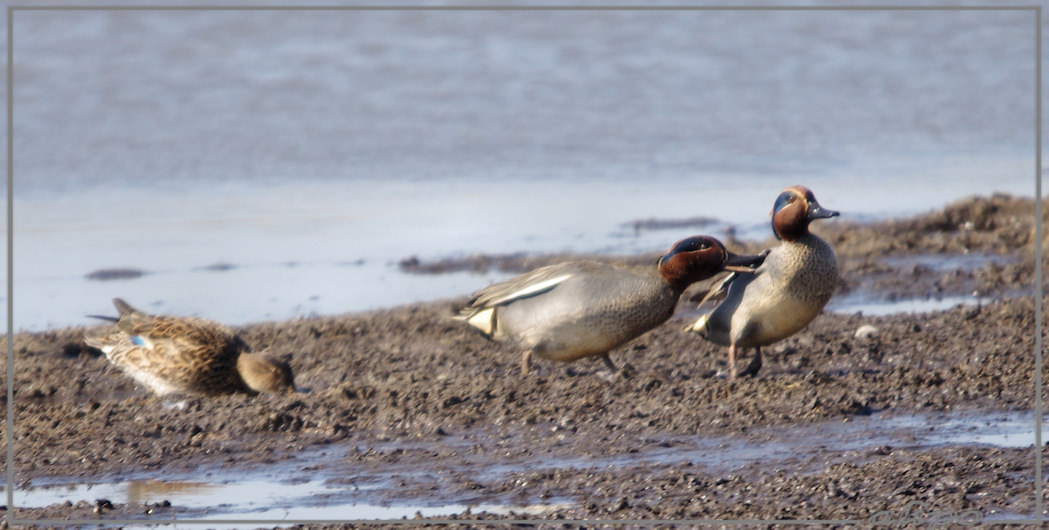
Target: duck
{"x":784,"y":294}
{"x":576,"y":309}
{"x":185,"y":355}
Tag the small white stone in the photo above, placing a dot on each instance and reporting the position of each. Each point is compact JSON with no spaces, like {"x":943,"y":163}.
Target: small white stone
{"x":866,"y":331}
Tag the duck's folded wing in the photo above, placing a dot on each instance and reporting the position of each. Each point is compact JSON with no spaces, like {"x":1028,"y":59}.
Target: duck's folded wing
{"x":527,"y":285}
{"x":481,"y":312}
{"x":735,"y":280}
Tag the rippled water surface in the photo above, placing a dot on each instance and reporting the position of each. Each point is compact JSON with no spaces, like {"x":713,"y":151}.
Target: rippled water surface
{"x":309,"y":152}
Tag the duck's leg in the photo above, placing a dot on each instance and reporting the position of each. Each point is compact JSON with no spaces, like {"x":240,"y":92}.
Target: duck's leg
{"x":731,"y":361}
{"x":526,"y":362}
{"x":755,"y":363}
{"x":613,"y":374}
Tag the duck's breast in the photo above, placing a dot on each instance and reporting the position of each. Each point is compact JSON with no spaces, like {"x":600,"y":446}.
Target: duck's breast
{"x":798,"y":280}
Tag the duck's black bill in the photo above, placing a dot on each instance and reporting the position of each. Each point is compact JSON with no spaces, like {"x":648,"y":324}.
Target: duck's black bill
{"x":818,"y":212}
{"x":744,"y":262}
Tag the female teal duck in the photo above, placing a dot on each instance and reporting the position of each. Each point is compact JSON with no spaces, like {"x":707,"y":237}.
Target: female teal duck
{"x":785,"y":293}
{"x":173,"y":355}
{"x":577,"y":309}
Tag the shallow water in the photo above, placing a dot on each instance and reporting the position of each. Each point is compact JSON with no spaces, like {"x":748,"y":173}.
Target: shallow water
{"x":967,"y":262}
{"x":867,"y":302}
{"x":862,"y":302}
{"x":327,"y":138}
{"x":300,"y":491}
{"x":264,"y":498}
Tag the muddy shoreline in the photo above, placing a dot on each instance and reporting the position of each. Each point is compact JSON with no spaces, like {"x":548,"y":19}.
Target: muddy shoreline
{"x":397,"y":387}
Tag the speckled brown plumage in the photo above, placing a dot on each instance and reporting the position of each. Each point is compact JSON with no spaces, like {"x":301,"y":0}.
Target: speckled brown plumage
{"x":186,"y":355}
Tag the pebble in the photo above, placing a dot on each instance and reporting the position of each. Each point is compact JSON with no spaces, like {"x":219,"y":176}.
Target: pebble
{"x":866,"y":331}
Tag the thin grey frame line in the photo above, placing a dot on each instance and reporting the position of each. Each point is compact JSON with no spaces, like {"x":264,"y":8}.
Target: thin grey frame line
{"x":10,"y":234}
{"x":495,"y":7}
{"x":485,"y":522}
{"x":10,"y":263}
{"x":1039,"y":487}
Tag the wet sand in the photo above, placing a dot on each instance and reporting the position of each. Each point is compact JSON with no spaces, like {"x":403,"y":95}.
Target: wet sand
{"x":410,"y":389}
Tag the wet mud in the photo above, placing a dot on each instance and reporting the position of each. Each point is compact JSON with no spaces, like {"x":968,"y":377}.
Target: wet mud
{"x":408,"y":388}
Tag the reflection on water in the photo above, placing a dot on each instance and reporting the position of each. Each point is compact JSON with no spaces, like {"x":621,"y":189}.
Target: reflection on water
{"x":151,"y":491}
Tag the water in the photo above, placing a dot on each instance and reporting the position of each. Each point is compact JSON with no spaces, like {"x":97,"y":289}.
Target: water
{"x":313,"y":151}
{"x":297,"y":492}
{"x":865,"y":301}
{"x":860,"y":303}
{"x":249,"y":498}
{"x":967,"y":262}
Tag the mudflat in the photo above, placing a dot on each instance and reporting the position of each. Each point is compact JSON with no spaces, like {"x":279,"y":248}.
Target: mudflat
{"x":442,"y":414}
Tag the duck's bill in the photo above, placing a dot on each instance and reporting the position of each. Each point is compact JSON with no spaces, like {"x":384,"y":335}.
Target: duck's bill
{"x":744,"y":263}
{"x":738,"y":268}
{"x":819,"y":212}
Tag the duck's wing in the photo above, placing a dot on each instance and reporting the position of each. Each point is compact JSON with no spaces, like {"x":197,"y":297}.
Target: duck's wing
{"x":180,"y":333}
{"x":733,"y":282}
{"x":527,"y":285}
{"x":481,"y":311}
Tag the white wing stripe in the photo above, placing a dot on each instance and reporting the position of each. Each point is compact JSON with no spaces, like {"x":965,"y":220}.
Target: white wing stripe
{"x":530,"y":290}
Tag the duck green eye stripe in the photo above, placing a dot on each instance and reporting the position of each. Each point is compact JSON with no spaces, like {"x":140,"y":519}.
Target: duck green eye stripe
{"x":783,"y":200}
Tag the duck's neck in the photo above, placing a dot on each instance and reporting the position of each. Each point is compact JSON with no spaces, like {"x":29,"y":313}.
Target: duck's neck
{"x":792,"y":232}
{"x":678,"y":280}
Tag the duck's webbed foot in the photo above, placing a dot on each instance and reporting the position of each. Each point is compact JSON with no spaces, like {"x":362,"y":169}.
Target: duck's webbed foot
{"x":613,"y":374}
{"x":755,"y":364}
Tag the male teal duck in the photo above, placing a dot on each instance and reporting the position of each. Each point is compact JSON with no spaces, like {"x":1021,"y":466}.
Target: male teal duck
{"x":577,"y":309}
{"x":784,"y":294}
{"x":177,"y":355}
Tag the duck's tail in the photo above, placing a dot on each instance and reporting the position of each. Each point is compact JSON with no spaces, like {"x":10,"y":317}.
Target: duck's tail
{"x":699,"y":326}
{"x":123,"y":307}
{"x":482,"y":319}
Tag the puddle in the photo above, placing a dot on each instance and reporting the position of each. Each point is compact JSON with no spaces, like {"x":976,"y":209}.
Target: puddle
{"x":1008,"y":430}
{"x":871,"y":303}
{"x":312,"y":492}
{"x":860,"y":302}
{"x":777,"y":447}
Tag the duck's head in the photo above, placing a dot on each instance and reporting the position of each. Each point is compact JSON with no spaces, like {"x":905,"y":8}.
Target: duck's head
{"x":795,"y":208}
{"x":263,"y":374}
{"x":697,"y":258}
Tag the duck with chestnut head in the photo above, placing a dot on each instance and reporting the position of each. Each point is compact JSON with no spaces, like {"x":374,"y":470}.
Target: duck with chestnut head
{"x":577,"y":309}
{"x":784,"y":294}
{"x":181,"y":355}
